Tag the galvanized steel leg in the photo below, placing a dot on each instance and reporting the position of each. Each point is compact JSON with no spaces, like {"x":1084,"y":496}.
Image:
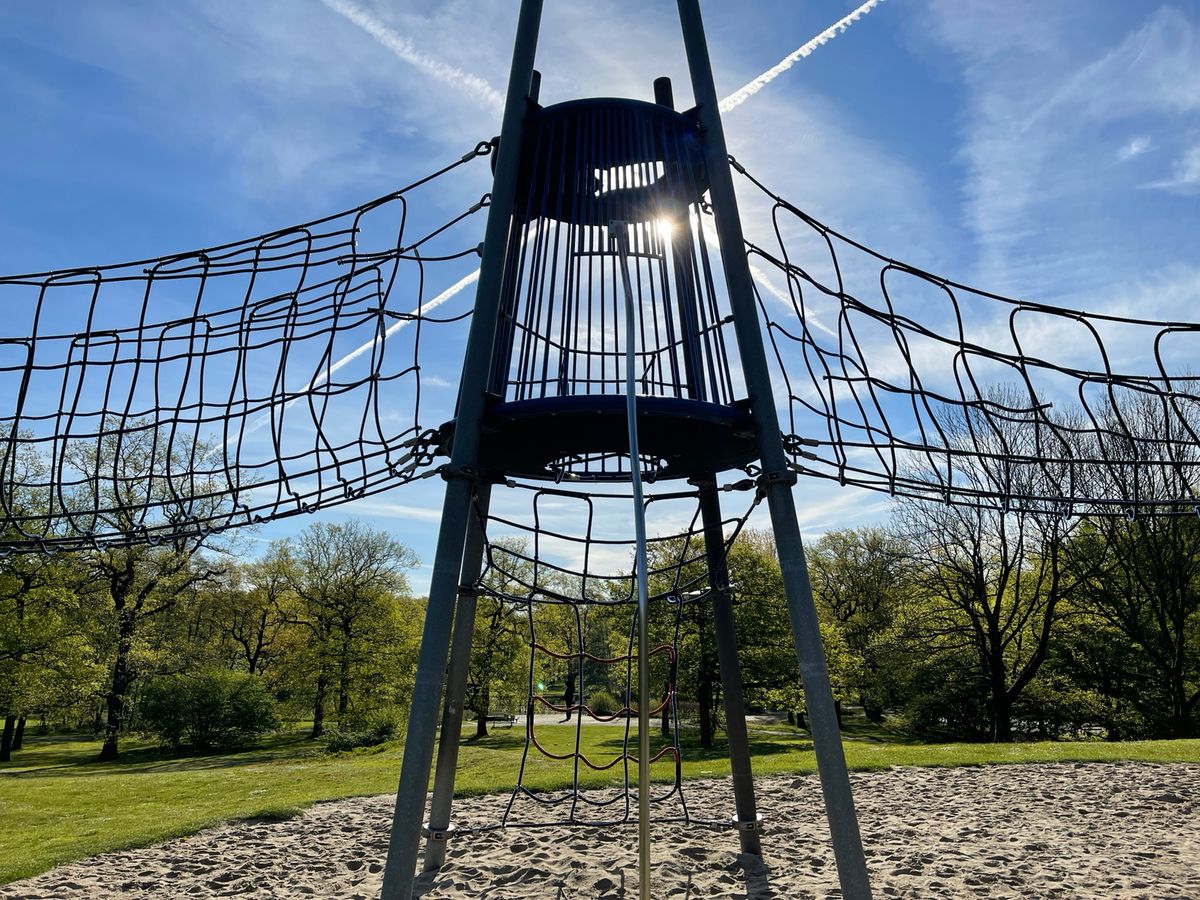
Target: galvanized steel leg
{"x":731,"y":677}
{"x":456,"y":687}
{"x":405,"y":840}
{"x":777,"y":477}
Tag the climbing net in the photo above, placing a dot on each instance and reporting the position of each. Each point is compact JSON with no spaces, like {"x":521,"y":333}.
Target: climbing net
{"x":558,"y":573}
{"x":170,"y":397}
{"x":901,"y":381}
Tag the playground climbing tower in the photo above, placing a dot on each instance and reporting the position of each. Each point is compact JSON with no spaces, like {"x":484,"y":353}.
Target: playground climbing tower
{"x":615,"y":339}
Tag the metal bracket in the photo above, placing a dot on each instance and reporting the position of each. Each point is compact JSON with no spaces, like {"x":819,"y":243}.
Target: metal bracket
{"x":755,"y":825}
{"x":767,"y":479}
{"x":439,"y":834}
{"x":449,"y":470}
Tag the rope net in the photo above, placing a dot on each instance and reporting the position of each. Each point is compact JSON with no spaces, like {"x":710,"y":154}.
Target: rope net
{"x":171,"y":397}
{"x":558,"y":577}
{"x":901,"y":381}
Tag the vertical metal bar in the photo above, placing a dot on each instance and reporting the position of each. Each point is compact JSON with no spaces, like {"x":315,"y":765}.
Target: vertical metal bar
{"x":618,"y":232}
{"x":731,"y":677}
{"x":456,"y":685}
{"x":831,"y":761}
{"x":456,"y":507}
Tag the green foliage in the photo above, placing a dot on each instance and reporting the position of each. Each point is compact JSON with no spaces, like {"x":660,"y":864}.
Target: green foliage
{"x":383,"y":729}
{"x":205,"y":710}
{"x":602,"y":703}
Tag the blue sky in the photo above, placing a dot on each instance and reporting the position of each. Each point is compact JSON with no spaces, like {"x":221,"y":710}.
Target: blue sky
{"x":1046,"y":150}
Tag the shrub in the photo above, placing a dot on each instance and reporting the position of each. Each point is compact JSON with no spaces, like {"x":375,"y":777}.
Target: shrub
{"x":602,"y":703}
{"x":205,"y":710}
{"x":379,"y":732}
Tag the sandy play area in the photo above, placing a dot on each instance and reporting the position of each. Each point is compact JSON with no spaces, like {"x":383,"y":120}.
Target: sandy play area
{"x":1065,"y":830}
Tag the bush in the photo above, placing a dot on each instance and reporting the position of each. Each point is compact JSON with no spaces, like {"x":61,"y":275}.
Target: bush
{"x":206,"y":710}
{"x":602,"y":703}
{"x":379,"y":732}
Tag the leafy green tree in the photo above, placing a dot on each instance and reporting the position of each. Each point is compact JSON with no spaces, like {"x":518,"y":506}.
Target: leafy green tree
{"x":498,"y":671}
{"x":344,"y":583}
{"x":136,"y":473}
{"x":858,"y":579}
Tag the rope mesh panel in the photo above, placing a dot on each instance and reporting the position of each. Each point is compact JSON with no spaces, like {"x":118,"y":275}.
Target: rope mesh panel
{"x":200,"y":391}
{"x":901,"y":381}
{"x":580,"y":566}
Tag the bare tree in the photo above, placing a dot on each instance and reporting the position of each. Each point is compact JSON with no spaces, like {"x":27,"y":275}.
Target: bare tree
{"x":993,"y":579}
{"x":1146,"y":565}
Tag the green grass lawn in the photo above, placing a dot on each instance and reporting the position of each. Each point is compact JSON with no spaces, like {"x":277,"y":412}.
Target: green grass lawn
{"x":57,"y":804}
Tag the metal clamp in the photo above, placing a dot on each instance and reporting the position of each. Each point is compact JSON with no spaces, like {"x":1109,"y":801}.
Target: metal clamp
{"x":449,"y":470}
{"x":755,"y":825}
{"x":767,"y":479}
{"x":439,"y":834}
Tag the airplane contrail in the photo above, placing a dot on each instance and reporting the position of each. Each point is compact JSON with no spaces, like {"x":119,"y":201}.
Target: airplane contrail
{"x":324,"y":376}
{"x":405,"y":49}
{"x":744,"y":93}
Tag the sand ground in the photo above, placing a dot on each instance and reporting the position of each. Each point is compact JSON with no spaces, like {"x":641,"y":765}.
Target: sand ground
{"x":1020,"y":831}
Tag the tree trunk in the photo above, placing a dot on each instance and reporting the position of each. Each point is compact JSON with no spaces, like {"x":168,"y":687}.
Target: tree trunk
{"x":121,"y":679}
{"x":1181,"y":718}
{"x":344,"y":681}
{"x":6,"y":740}
{"x":1000,"y":708}
{"x":481,"y":718}
{"x":837,"y":708}
{"x":705,"y":698}
{"x":19,"y":736}
{"x":319,"y":706}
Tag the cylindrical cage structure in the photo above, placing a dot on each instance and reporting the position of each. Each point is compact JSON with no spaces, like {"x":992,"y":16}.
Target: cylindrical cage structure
{"x":558,"y":365}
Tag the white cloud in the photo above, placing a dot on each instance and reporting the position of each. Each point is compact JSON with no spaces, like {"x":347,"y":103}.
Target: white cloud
{"x":1046,"y":88}
{"x":1136,"y":147}
{"x":1185,"y":175}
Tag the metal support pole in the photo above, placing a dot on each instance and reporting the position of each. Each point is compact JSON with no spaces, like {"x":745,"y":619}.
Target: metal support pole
{"x":617,"y":232}
{"x":456,"y":687}
{"x":731,"y":676}
{"x":456,"y":507}
{"x":778,"y":478}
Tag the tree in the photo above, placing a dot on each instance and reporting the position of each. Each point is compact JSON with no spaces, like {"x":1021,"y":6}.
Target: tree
{"x":1143,"y":571}
{"x":992,"y":580}
{"x":42,"y":655}
{"x":498,"y":645}
{"x":858,"y":577}
{"x":250,"y":612}
{"x":134,"y":473}
{"x":346,"y":580}
{"x":770,"y":673}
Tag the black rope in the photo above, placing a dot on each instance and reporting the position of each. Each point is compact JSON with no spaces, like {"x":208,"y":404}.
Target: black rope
{"x":528,"y":580}
{"x":886,"y":394}
{"x":184,"y":395}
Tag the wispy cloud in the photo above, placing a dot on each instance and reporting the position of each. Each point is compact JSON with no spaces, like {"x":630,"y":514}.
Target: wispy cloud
{"x":1185,"y":175}
{"x":403,"y":48}
{"x":325,"y":374}
{"x":1136,"y":147}
{"x":1043,"y":101}
{"x":744,"y":93}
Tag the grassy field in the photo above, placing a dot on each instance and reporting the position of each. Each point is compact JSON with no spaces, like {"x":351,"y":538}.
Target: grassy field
{"x":58,"y":804}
